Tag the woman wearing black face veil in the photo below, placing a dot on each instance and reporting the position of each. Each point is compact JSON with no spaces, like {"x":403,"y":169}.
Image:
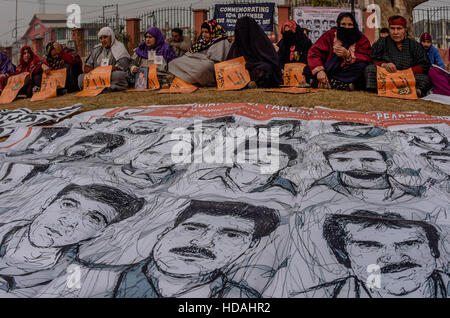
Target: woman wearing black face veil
{"x":338,"y":59}
{"x":262,"y":60}
{"x":294,"y":45}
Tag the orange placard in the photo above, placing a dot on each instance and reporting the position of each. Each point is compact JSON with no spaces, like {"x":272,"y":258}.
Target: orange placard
{"x":14,"y":85}
{"x":153,"y":83}
{"x":294,"y":90}
{"x":96,"y":81}
{"x":179,"y":87}
{"x":232,"y":75}
{"x":400,"y":84}
{"x":50,"y":83}
{"x":293,"y":74}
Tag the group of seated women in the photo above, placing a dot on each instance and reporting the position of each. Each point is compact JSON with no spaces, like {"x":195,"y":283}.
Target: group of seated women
{"x":342,"y":58}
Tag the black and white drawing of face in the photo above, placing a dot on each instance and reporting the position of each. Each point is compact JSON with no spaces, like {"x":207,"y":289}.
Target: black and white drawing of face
{"x":426,"y":135}
{"x":131,"y":112}
{"x":69,"y":220}
{"x":248,"y":174}
{"x":142,"y":128}
{"x":203,"y":244}
{"x":155,"y":157}
{"x":352,"y":129}
{"x":365,"y":165}
{"x":440,"y":162}
{"x":403,"y":255}
{"x":12,"y":175}
{"x":84,"y":150}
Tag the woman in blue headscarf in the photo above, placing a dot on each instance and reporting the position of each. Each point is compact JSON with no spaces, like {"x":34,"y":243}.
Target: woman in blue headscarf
{"x":7,"y":69}
{"x":154,"y":50}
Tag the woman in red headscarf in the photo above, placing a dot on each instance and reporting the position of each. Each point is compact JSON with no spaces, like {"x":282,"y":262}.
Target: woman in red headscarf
{"x":398,"y":52}
{"x":30,"y":63}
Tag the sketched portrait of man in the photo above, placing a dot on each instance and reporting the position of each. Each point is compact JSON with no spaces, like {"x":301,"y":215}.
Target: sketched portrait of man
{"x":38,"y":250}
{"x":248,"y":177}
{"x":105,"y":123}
{"x":362,"y":172}
{"x":290,"y":130}
{"x":13,"y":175}
{"x":357,"y":130}
{"x":194,"y":256}
{"x":92,"y":146}
{"x":143,"y":127}
{"x":404,"y":252}
{"x":440,"y":162}
{"x":428,"y":138}
{"x":46,"y":136}
{"x":155,"y":164}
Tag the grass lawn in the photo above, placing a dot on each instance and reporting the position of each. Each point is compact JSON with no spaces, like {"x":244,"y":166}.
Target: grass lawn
{"x":356,"y":101}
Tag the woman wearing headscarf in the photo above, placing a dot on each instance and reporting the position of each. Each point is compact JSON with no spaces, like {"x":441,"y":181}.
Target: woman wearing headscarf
{"x":58,"y":58}
{"x":398,"y":52}
{"x":7,"y":68}
{"x":252,"y":43}
{"x":294,"y":46}
{"x":110,"y":51}
{"x":30,"y":63}
{"x":338,"y":59}
{"x":156,"y":42}
{"x":197,"y":66}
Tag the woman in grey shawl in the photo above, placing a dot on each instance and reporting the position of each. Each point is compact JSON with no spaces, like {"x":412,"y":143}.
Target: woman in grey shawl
{"x":110,"y":51}
{"x":197,"y":66}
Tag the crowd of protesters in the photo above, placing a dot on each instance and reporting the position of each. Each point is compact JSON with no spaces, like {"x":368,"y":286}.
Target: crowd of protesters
{"x":342,"y":58}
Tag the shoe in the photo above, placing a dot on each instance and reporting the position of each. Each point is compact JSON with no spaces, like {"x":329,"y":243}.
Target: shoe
{"x":252,"y":85}
{"x":419,"y":93}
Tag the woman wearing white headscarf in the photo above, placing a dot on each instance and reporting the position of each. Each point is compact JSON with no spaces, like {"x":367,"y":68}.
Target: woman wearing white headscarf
{"x":110,"y":51}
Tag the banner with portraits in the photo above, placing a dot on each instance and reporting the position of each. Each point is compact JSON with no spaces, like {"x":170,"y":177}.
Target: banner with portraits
{"x":227,"y":200}
{"x":319,"y":20}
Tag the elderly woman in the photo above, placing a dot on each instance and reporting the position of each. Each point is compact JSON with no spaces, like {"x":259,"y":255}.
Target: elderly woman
{"x":197,"y":66}
{"x":7,"y":68}
{"x":30,"y":63}
{"x":154,"y":44}
{"x":294,"y":45}
{"x":261,"y":58}
{"x":110,"y":51}
{"x":58,"y":58}
{"x":398,"y":52}
{"x":338,"y":59}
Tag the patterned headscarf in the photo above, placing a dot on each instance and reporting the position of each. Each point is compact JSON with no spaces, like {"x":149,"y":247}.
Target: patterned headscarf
{"x":217,"y":34}
{"x":54,"y":63}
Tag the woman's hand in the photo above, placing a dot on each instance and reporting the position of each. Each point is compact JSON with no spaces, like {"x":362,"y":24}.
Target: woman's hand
{"x":322,"y":77}
{"x":134,"y":69}
{"x":341,"y":52}
{"x":390,"y":67}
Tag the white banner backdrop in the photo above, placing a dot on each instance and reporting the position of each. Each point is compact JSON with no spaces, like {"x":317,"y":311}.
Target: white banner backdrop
{"x":320,"y":20}
{"x":191,"y":201}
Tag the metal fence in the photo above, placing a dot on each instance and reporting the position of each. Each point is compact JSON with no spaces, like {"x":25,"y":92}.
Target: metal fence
{"x":435,"y":21}
{"x":271,"y":35}
{"x":168,"y":18}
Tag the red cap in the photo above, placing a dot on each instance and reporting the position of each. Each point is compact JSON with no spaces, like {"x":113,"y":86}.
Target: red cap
{"x":397,"y":20}
{"x":426,"y":37}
